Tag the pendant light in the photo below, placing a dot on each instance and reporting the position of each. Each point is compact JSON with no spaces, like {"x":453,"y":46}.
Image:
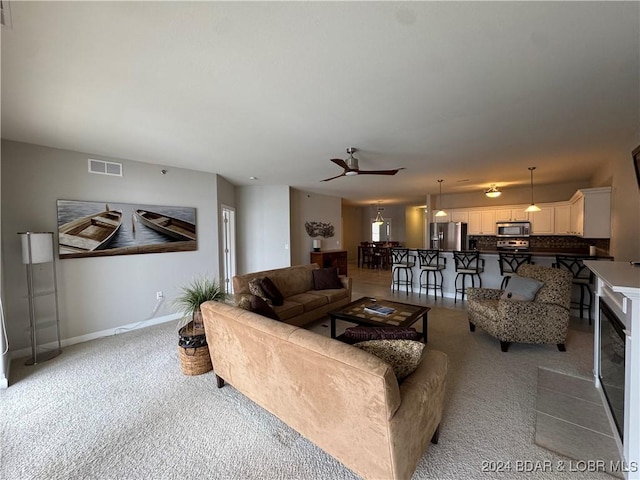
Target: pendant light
{"x":493,"y":191}
{"x":533,"y":207}
{"x":440,"y":213}
{"x":379,"y":220}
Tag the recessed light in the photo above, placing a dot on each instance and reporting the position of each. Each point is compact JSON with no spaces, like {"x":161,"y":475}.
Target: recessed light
{"x":253,"y":178}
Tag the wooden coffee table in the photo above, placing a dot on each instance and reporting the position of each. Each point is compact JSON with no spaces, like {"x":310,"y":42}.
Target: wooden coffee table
{"x":405,"y":315}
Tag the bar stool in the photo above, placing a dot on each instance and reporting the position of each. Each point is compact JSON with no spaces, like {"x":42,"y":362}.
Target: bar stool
{"x":431,"y":262}
{"x":467,"y":264}
{"x":582,"y":276}
{"x":401,"y":262}
{"x":509,"y":264}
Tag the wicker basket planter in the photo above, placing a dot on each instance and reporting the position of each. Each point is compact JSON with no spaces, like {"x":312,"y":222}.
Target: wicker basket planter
{"x":194,"y":351}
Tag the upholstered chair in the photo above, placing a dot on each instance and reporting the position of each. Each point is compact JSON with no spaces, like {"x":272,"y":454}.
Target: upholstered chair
{"x":545,"y":319}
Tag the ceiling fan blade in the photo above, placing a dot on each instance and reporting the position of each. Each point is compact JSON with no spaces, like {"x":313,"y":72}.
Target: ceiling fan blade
{"x":337,"y":176}
{"x":340,"y":162}
{"x":379,"y":172}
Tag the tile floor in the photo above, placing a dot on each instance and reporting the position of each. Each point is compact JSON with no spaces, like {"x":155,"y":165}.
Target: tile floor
{"x":571,"y":420}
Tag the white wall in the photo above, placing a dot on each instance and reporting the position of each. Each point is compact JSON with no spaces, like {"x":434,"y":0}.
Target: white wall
{"x":312,"y":207}
{"x":100,"y":293}
{"x":226,"y":196}
{"x":263,"y":228}
{"x":4,"y":357}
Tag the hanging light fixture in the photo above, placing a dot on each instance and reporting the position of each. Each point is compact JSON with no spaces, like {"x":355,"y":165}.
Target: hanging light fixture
{"x":493,"y":191}
{"x":379,"y":220}
{"x":533,"y":207}
{"x":440,"y":213}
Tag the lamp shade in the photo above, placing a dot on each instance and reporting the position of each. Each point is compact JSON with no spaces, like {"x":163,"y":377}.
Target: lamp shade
{"x":38,"y":246}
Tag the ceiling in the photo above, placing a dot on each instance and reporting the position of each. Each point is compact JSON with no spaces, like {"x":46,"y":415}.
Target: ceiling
{"x":470,"y":92}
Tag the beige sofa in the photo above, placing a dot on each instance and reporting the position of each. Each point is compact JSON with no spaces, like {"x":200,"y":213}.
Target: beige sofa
{"x":343,"y":399}
{"x":302,"y":304}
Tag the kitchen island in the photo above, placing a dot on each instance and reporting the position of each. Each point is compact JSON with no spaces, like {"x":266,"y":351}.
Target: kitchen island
{"x":491,"y":277}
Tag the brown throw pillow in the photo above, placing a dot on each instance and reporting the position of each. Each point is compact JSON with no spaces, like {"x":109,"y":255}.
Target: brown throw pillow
{"x":271,"y":291}
{"x":326,"y":279}
{"x":259,"y":306}
{"x":255,"y":287}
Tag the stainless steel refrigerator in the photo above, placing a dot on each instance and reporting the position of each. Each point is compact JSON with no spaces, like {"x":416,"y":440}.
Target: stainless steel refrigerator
{"x":448,"y":236}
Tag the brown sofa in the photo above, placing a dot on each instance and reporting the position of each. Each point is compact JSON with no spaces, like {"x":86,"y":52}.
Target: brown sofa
{"x":343,"y":399}
{"x":302,"y":304}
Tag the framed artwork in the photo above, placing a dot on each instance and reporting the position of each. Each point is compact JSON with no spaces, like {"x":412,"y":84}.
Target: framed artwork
{"x":93,"y":229}
{"x":636,"y":163}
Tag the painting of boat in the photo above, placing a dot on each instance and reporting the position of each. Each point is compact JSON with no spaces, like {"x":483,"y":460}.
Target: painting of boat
{"x":89,"y":233}
{"x":167,"y":225}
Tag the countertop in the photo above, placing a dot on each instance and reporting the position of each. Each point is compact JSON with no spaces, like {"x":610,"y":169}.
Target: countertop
{"x":538,"y":252}
{"x":619,"y":276}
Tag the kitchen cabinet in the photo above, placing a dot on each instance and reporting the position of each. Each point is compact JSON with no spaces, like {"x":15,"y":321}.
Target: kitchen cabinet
{"x":460,"y":216}
{"x":482,"y":222}
{"x":562,"y":220}
{"x":542,"y":222}
{"x":512,"y":215}
{"x":590,"y":213}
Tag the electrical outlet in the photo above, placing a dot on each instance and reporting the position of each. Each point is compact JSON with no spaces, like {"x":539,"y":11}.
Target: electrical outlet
{"x":159,"y":295}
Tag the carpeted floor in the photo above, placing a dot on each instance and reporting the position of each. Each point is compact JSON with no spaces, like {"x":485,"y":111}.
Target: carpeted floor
{"x":119,"y":408}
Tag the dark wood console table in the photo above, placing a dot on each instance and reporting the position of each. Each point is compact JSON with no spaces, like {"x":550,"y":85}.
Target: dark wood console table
{"x":331,"y":258}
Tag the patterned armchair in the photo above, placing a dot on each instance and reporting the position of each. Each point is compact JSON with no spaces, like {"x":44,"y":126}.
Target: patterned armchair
{"x":545,"y":319}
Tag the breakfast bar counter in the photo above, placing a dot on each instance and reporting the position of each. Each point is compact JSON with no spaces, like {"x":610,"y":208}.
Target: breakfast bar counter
{"x":491,"y":277}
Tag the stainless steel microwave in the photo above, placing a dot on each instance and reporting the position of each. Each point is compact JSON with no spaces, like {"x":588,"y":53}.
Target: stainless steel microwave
{"x":513,"y":229}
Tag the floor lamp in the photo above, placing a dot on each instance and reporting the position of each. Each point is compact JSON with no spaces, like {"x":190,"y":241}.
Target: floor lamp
{"x":37,"y":248}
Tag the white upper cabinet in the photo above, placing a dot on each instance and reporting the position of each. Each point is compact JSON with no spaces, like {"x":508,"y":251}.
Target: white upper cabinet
{"x":591,"y":213}
{"x":542,"y":222}
{"x":482,"y":222}
{"x":460,"y":216}
{"x":562,"y":220}
{"x":512,"y":215}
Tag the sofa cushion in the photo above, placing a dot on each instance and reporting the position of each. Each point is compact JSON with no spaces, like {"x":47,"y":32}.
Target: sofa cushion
{"x":309,"y":301}
{"x":255,"y":288}
{"x":332,"y":295}
{"x":271,"y":291}
{"x":487,"y":308}
{"x":289,"y":309}
{"x":521,"y":288}
{"x":404,"y":356}
{"x":326,"y":278}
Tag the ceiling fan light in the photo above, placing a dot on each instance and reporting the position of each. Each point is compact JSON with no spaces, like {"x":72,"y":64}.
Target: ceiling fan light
{"x":351,"y":173}
{"x":493,"y":192}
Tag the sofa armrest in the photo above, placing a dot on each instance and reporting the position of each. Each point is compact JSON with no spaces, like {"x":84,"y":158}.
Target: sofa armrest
{"x":420,"y":412}
{"x":347,"y":282}
{"x":483,"y":293}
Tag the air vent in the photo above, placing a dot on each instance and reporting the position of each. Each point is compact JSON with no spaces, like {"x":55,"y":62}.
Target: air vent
{"x":5,"y":13}
{"x":105,"y":168}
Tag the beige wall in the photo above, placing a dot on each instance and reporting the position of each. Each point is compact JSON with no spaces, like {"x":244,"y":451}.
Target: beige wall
{"x":625,"y":204}
{"x":415,"y":227}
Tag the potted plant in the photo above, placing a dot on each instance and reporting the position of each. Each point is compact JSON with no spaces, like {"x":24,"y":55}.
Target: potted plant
{"x":193,"y":348}
{"x":198,"y":291}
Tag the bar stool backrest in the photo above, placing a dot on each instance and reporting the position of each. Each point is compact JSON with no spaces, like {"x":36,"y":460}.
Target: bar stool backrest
{"x":510,"y":262}
{"x":400,"y":256}
{"x":575,"y":265}
{"x":430,"y":258}
{"x":466,"y":260}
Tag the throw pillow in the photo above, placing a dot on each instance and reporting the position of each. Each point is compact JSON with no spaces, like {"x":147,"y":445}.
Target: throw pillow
{"x":326,"y":278}
{"x":255,"y":288}
{"x":255,"y":304}
{"x":403,"y":355}
{"x":521,"y":288}
{"x":271,"y":291}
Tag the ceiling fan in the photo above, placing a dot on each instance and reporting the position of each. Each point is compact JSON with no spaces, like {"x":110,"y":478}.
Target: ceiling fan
{"x":351,"y":168}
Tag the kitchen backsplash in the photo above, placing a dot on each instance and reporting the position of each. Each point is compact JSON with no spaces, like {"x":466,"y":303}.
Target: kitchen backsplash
{"x":555,"y":243}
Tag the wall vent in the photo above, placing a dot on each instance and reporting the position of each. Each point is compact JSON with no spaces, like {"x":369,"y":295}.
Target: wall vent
{"x":105,"y":168}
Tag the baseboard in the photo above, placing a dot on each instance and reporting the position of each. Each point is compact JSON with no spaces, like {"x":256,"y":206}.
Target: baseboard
{"x":25,"y":352}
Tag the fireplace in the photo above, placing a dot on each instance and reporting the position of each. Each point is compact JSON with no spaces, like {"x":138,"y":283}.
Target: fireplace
{"x":612,"y":366}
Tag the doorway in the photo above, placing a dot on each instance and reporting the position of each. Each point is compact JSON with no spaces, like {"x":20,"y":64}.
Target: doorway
{"x":228,"y":247}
